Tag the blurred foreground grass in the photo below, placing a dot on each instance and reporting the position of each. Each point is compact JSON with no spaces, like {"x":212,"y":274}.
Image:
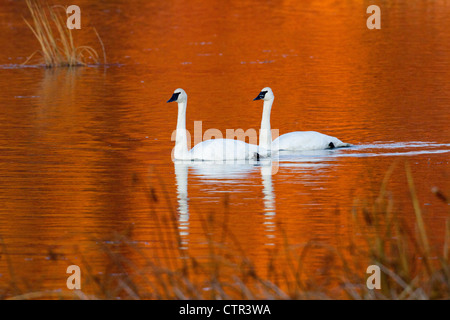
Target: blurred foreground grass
{"x":411,"y":268}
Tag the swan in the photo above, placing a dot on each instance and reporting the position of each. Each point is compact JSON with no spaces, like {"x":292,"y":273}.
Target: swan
{"x":297,"y":140}
{"x":214,"y":149}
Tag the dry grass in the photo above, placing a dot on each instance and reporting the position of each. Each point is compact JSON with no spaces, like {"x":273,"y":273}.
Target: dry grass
{"x":56,"y":40}
{"x":411,"y":267}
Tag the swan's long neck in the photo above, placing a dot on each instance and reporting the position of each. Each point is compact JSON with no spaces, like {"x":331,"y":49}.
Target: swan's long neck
{"x":181,"y":148}
{"x":265,"y":134}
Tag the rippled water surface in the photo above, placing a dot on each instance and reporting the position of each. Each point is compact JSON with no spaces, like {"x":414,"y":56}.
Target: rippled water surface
{"x":81,"y":149}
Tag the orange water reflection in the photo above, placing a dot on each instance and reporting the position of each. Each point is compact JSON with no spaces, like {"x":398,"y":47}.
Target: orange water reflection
{"x":81,"y":148}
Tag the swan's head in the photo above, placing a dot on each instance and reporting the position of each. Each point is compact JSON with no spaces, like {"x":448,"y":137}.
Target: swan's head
{"x":179,"y":95}
{"x":266,"y":94}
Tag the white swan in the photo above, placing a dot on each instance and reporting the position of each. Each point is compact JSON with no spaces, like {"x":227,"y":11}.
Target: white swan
{"x":214,"y":149}
{"x":298,"y":140}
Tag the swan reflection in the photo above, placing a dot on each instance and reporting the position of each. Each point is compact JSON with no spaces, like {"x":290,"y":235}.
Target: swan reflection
{"x":181,"y":176}
{"x":223,"y":173}
{"x":269,"y":202}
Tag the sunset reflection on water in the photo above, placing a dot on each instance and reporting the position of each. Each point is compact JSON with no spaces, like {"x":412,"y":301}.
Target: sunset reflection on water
{"x":83,"y":148}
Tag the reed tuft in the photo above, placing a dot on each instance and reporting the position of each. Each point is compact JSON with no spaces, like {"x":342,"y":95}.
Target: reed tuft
{"x":56,"y":40}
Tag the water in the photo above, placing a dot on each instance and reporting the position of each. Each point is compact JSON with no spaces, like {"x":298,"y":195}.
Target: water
{"x":81,"y":147}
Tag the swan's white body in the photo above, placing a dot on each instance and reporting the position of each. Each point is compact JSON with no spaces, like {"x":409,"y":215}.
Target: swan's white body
{"x":306,"y":140}
{"x":221,"y":149}
{"x":211,"y":150}
{"x":298,"y":140}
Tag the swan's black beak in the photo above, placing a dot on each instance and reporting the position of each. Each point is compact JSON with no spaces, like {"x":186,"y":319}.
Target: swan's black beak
{"x":260,"y":96}
{"x":174,"y":97}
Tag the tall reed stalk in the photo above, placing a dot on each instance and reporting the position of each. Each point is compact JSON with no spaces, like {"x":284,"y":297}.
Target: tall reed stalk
{"x":56,"y":40}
